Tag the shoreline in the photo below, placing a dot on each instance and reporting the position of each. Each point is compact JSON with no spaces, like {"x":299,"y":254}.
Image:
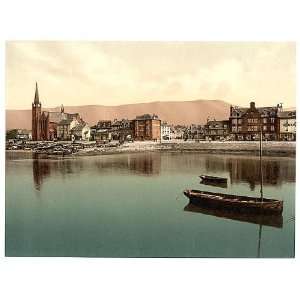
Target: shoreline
{"x":287,"y":149}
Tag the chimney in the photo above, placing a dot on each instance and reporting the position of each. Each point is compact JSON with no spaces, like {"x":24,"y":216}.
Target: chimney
{"x":252,"y":105}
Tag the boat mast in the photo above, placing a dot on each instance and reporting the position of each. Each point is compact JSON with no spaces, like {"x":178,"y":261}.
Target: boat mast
{"x":260,"y":163}
{"x":261,"y":188}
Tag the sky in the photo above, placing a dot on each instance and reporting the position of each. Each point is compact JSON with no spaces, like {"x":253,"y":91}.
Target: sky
{"x":115,"y":73}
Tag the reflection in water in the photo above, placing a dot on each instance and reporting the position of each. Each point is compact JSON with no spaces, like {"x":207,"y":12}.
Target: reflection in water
{"x":149,"y":164}
{"x":41,"y":169}
{"x":239,"y":168}
{"x":90,"y":207}
{"x":216,"y":184}
{"x":267,"y":220}
{"x":243,"y":169}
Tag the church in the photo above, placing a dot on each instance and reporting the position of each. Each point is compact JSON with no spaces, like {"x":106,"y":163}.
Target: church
{"x":46,"y":125}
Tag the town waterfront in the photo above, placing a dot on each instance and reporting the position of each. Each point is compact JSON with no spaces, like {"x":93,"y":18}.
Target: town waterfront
{"x":132,"y":205}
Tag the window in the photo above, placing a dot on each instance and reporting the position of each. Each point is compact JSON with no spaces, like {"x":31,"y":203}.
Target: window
{"x":265,"y":120}
{"x":252,"y":128}
{"x":234,"y":121}
{"x":265,"y":128}
{"x":272,"y":128}
{"x":272,"y":120}
{"x":239,"y":121}
{"x":251,"y":121}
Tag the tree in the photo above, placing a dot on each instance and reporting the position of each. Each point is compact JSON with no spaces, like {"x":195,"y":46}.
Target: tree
{"x":11,"y":134}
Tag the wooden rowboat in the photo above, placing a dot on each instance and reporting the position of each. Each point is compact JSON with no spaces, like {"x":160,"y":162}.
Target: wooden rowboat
{"x":260,"y":219}
{"x":235,"y":202}
{"x":213,"y":179}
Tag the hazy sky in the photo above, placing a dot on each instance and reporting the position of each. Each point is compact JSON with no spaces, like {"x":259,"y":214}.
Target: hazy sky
{"x":113,"y":73}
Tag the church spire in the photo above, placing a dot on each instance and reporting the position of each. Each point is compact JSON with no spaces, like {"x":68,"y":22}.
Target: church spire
{"x":36,"y":96}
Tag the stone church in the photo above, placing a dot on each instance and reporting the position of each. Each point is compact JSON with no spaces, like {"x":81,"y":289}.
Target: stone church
{"x":46,"y":124}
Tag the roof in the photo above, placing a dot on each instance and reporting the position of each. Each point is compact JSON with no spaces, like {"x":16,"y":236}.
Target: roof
{"x":214,"y":122}
{"x":65,"y":122}
{"x":265,"y":111}
{"x":24,"y":131}
{"x":287,"y":114}
{"x":268,"y":111}
{"x":147,"y":117}
{"x":79,"y":127}
{"x":57,"y":116}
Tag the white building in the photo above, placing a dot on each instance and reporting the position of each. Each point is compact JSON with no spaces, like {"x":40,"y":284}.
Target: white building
{"x":81,"y":132}
{"x":287,"y":125}
{"x":165,"y":131}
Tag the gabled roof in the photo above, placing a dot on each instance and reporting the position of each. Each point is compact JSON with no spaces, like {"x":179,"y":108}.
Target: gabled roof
{"x":287,"y":114}
{"x":79,"y":127}
{"x":268,"y":111}
{"x":55,"y":117}
{"x":264,"y":111}
{"x":65,"y":122}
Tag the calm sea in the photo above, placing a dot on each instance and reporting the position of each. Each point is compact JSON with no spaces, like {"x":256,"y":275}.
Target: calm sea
{"x":132,"y":205}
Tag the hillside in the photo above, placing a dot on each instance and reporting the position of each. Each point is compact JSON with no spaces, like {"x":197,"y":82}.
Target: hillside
{"x":175,"y":112}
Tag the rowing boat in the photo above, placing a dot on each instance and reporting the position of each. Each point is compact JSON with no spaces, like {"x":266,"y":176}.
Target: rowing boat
{"x":213,"y":179}
{"x":235,"y":202}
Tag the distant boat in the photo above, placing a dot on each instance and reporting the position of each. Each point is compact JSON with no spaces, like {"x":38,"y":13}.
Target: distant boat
{"x":235,"y":202}
{"x":214,"y":181}
{"x":265,"y":220}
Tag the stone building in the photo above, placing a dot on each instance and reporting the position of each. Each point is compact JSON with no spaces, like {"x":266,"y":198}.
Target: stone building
{"x":45,"y":124}
{"x":216,"y":130}
{"x":40,"y":120}
{"x":122,"y":130}
{"x":102,"y":131}
{"x":166,"y":133}
{"x":286,"y":125}
{"x":247,"y":123}
{"x":147,"y":128}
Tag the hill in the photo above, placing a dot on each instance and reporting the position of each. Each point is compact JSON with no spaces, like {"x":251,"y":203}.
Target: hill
{"x":174,"y":112}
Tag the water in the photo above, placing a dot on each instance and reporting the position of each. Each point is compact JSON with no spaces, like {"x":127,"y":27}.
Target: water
{"x":131,"y":205}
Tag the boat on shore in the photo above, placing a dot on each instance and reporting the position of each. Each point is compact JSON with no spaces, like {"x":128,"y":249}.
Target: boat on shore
{"x":260,"y":219}
{"x":235,"y":202}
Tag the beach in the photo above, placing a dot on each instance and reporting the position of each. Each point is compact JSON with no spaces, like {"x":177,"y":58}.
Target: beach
{"x":217,"y":147}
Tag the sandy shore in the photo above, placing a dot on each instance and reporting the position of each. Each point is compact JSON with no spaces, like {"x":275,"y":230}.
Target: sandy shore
{"x":269,"y":148}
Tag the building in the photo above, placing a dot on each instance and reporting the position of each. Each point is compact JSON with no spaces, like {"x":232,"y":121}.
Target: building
{"x":165,"y":131}
{"x":147,"y":128}
{"x":45,"y":124}
{"x":217,"y":130}
{"x":122,"y":130}
{"x":286,"y":125}
{"x":64,"y":129}
{"x":102,"y":131}
{"x":178,"y":131}
{"x":247,"y":123}
{"x":40,"y":120}
{"x":81,"y":132}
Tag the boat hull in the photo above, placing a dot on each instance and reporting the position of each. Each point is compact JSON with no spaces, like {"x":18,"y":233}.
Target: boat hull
{"x":213,"y":179}
{"x":235,"y":203}
{"x":274,"y":220}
